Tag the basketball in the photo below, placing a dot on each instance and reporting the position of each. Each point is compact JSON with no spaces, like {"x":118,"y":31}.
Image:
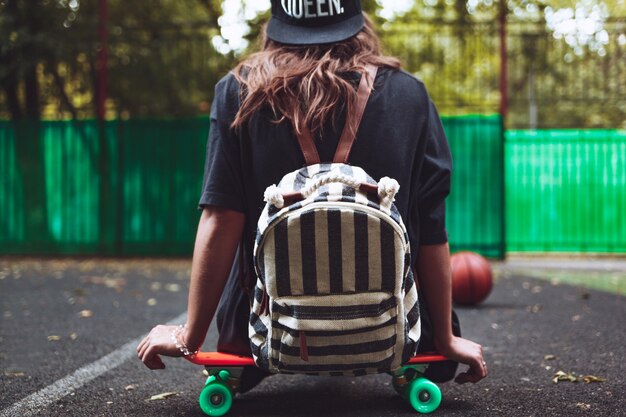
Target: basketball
{"x":471,"y":278}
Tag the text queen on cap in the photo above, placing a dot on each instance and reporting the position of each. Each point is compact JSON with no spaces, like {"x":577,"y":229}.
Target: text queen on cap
{"x":299,"y":9}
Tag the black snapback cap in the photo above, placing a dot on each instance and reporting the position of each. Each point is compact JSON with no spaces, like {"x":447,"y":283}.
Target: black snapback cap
{"x":313,"y":22}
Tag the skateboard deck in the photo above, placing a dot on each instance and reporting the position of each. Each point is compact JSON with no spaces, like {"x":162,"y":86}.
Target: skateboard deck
{"x":218,"y":359}
{"x":225,"y":371}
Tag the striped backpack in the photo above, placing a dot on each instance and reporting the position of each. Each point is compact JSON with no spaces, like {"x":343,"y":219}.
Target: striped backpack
{"x":334,"y":294}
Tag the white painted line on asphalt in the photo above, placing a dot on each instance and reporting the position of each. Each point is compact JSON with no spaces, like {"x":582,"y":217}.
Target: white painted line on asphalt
{"x":37,"y":401}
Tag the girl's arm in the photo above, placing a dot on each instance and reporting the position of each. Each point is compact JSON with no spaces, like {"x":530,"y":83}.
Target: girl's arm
{"x":433,"y":269}
{"x":219,"y":234}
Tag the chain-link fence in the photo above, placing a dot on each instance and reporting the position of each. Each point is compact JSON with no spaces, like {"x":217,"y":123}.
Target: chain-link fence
{"x":550,"y":82}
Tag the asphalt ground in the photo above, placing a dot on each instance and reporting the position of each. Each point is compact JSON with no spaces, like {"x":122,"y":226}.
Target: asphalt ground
{"x":68,"y":329}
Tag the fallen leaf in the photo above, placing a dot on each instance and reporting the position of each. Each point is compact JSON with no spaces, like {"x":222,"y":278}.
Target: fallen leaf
{"x":155,"y":286}
{"x":73,"y":336}
{"x":172,"y":287}
{"x":86,"y":314}
{"x":115,"y":283}
{"x":564,"y":376}
{"x":53,"y":338}
{"x":568,"y":376}
{"x":549,"y":357}
{"x":109,"y":282}
{"x":576,"y":317}
{"x":152,"y":302}
{"x":14,"y":374}
{"x":129,"y":387}
{"x":583,"y":406}
{"x":592,"y":378}
{"x":162,"y":396}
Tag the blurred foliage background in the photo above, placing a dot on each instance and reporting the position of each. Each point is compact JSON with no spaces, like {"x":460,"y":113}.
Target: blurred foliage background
{"x":566,"y":60}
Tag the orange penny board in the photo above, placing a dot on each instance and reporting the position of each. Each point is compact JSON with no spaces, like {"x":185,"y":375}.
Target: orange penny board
{"x":220,"y":359}
{"x":217,"y":359}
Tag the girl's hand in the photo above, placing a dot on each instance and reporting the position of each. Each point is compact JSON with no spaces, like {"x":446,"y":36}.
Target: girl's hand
{"x":158,"y":342}
{"x":469,"y":353}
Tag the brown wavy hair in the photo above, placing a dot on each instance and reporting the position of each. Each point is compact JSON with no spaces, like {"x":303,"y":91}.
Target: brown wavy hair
{"x":308,"y":85}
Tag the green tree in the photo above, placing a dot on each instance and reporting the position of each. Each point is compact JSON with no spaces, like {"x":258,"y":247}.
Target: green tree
{"x":454,"y":48}
{"x":49,"y":58}
{"x":48,"y":69}
{"x":25,"y":27}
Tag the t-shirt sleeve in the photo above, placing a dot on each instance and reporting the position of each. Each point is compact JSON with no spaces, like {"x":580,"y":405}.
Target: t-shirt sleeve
{"x":434,"y":181}
{"x":223,"y":184}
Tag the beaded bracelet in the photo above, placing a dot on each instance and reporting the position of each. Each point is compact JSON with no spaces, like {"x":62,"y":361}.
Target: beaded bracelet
{"x":181,"y":344}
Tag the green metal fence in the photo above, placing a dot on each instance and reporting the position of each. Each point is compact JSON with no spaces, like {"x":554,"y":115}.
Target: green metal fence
{"x":131,"y":187}
{"x":132,"y":191}
{"x":65,"y":188}
{"x":566,"y":190}
{"x":475,"y":208}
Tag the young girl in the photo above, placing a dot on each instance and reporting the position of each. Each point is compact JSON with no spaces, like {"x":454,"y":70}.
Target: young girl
{"x":305,"y":77}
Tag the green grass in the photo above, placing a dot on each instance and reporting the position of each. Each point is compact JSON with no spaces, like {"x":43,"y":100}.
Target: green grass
{"x":613,"y":282}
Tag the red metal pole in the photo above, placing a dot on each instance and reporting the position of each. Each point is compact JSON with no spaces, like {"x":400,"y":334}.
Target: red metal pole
{"x":504,"y":78}
{"x":108,"y":226}
{"x":504,"y":109}
{"x":103,"y":35}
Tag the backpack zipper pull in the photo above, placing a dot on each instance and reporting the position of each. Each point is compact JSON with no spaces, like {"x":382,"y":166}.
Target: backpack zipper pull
{"x":304,"y":350}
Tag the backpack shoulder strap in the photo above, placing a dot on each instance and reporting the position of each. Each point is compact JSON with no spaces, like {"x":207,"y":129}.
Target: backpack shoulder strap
{"x":307,"y":146}
{"x":353,"y":120}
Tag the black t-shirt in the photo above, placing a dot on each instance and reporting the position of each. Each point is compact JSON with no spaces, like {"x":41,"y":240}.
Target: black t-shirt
{"x":400,"y":136}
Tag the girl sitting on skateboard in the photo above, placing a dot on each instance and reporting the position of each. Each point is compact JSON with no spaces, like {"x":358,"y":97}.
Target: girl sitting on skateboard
{"x":305,"y":76}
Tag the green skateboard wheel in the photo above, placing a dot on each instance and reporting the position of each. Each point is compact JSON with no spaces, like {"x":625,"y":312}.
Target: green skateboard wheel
{"x":424,"y":395}
{"x":215,"y":399}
